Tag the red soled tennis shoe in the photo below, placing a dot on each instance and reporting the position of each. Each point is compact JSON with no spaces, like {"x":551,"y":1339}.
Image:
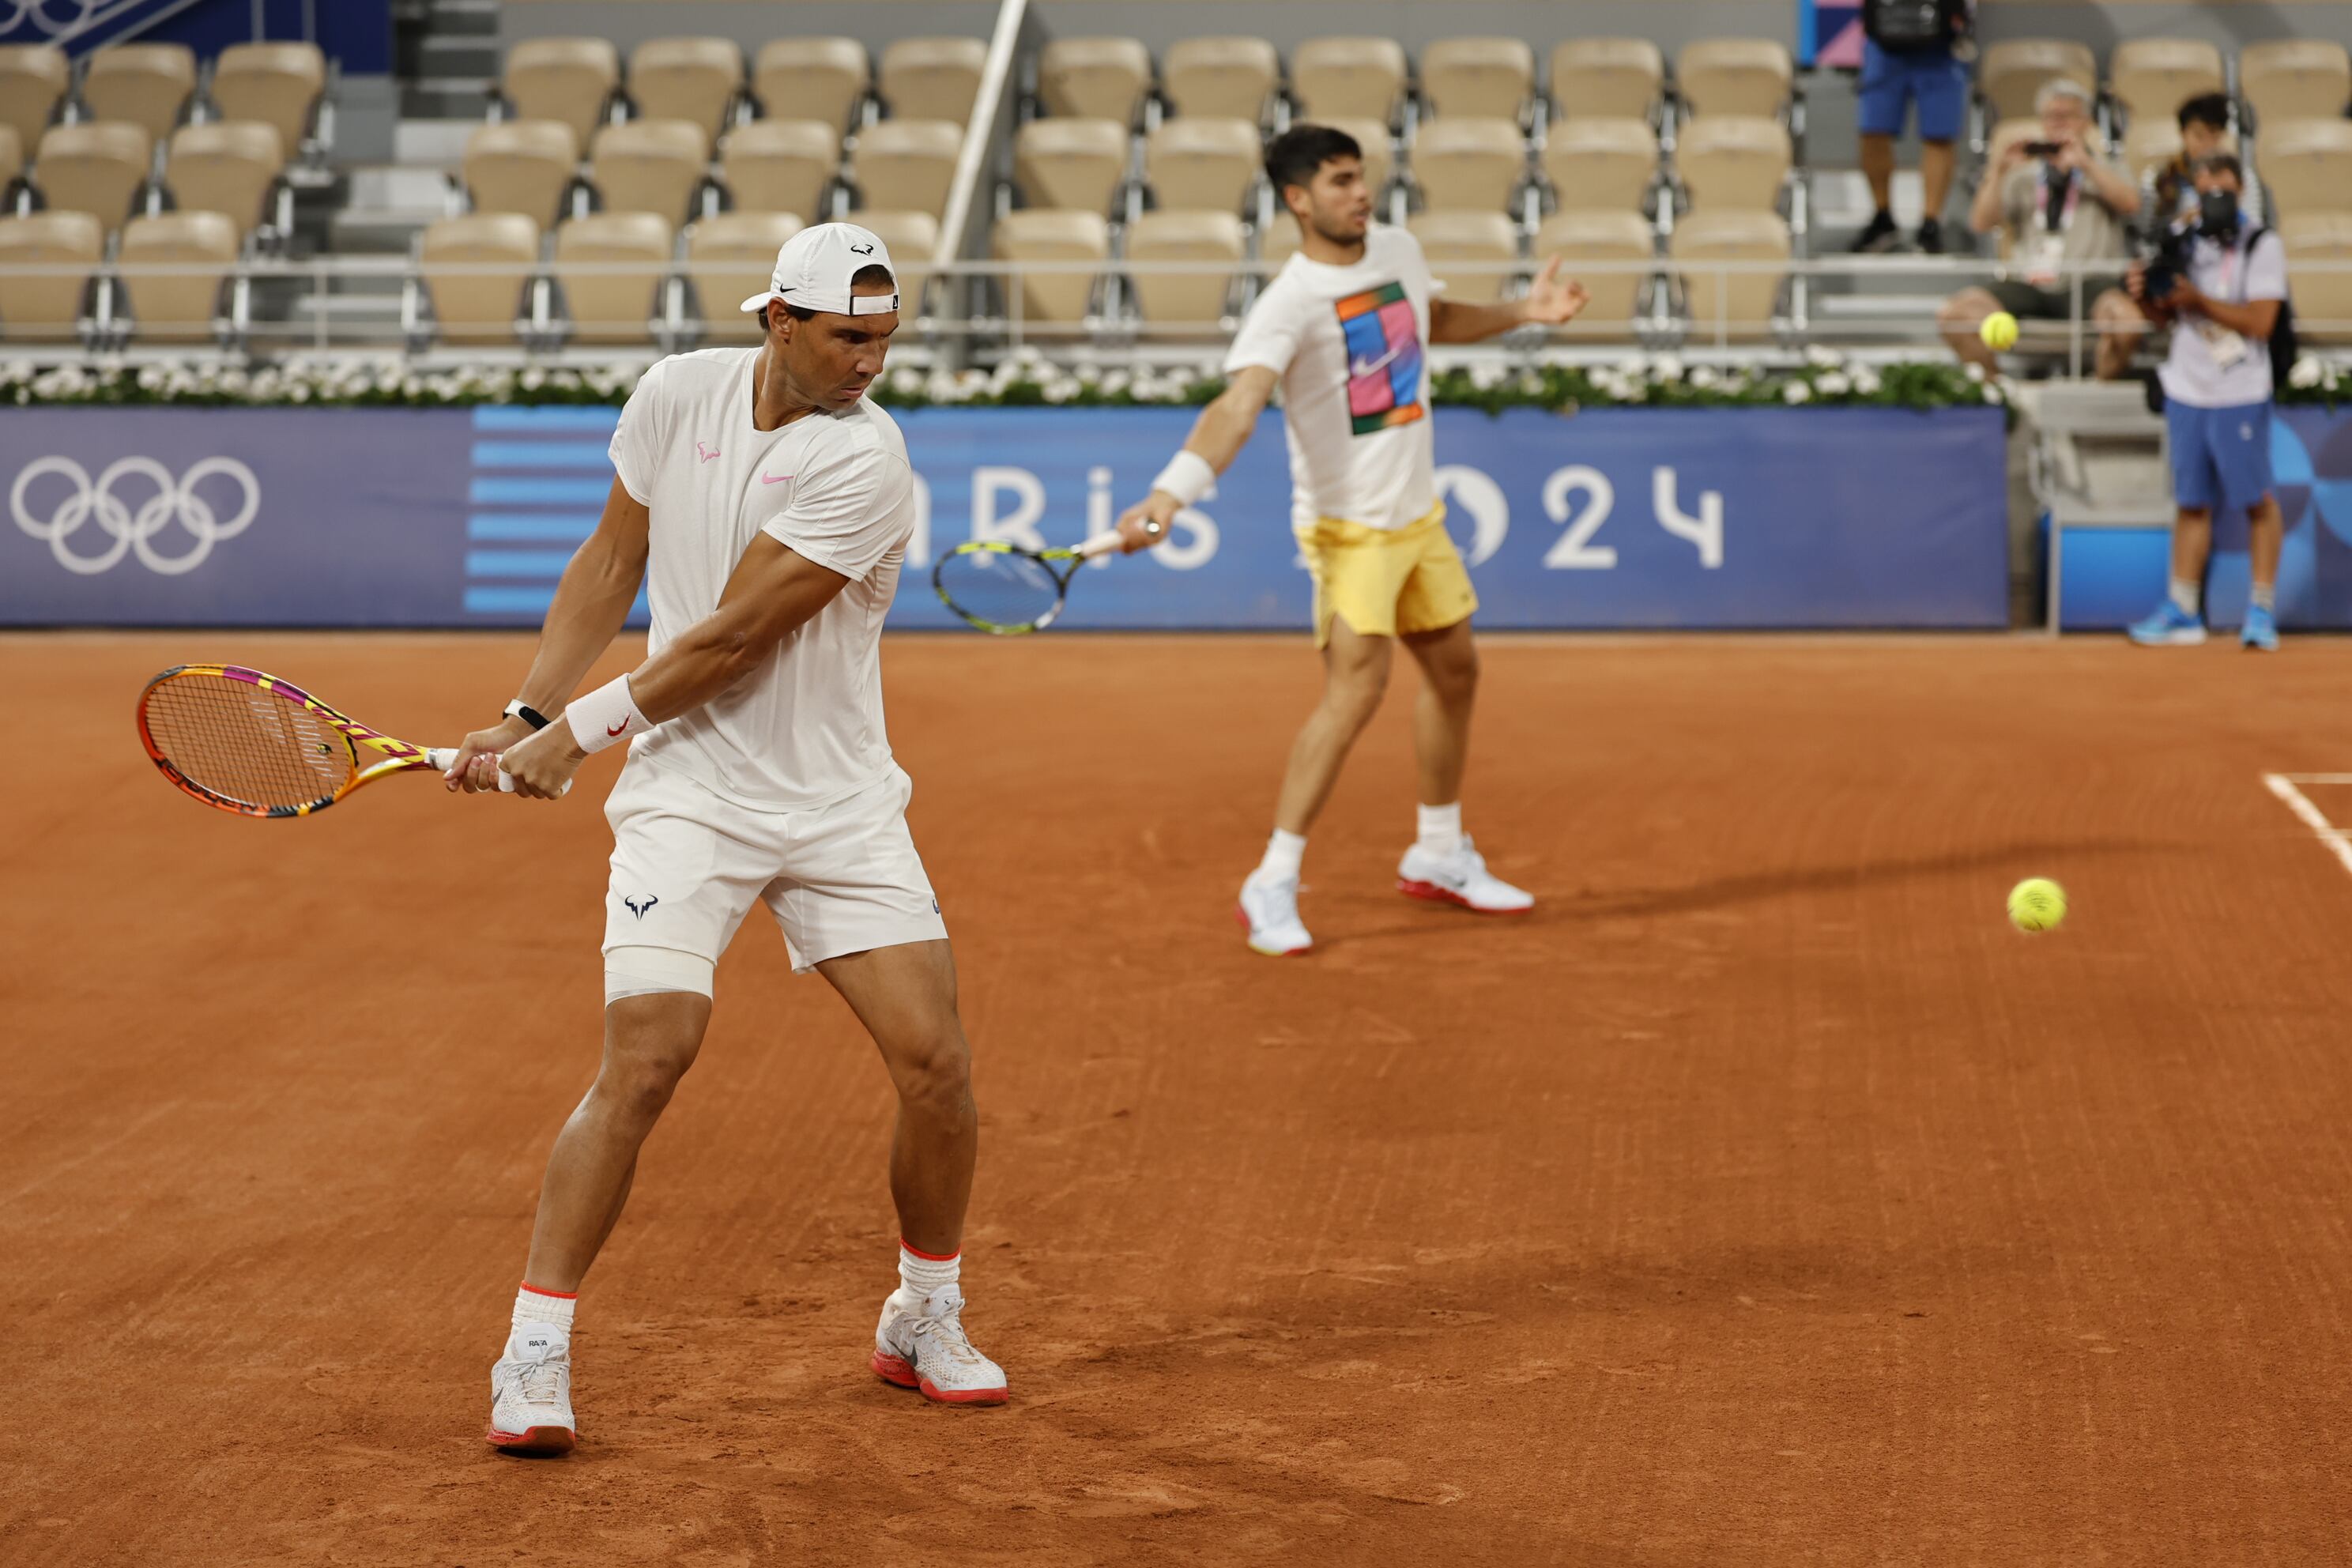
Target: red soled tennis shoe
{"x":1460,"y":878}
{"x":530,"y":1393}
{"x":920,"y":1344}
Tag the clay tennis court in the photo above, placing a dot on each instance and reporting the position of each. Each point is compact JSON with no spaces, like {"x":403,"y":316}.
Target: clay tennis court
{"x":1761,"y":1199}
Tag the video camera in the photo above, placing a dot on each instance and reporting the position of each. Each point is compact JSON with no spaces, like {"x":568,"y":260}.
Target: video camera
{"x":2168,"y":257}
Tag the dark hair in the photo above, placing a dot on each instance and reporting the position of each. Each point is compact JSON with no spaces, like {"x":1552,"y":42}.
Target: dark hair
{"x":2222,"y":164}
{"x":2206,"y":108}
{"x":1293,"y":157}
{"x":873,"y":272}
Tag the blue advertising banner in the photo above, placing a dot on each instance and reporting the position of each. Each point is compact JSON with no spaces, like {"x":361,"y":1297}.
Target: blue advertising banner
{"x":1629,"y":517}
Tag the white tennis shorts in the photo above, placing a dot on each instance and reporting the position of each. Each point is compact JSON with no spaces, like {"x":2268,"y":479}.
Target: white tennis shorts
{"x":688,"y":866}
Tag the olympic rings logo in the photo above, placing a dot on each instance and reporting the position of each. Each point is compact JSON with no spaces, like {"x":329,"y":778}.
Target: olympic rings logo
{"x":14,"y":14}
{"x":134,"y":530}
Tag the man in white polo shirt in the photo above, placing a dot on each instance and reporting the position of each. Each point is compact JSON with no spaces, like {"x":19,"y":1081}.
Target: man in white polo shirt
{"x":772,"y":504}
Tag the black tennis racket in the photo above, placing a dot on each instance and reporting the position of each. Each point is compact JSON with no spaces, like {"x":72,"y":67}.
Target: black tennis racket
{"x":1006,"y":590}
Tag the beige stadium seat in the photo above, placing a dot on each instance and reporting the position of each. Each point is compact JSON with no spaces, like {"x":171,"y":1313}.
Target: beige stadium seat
{"x":2011,"y":71}
{"x":476,"y":306}
{"x":686,"y":79}
{"x":33,"y":81}
{"x":781,"y":166}
{"x":2306,"y":166}
{"x":1039,"y":234}
{"x":649,"y":166}
{"x":730,"y":257}
{"x":1448,"y":239}
{"x":932,"y":79}
{"x":229,"y":166}
{"x":179,"y":306}
{"x":45,"y":308}
{"x":911,"y":237}
{"x":607,"y":307}
{"x":97,"y":167}
{"x":1580,"y":238}
{"x":278,"y":84}
{"x":1095,"y":78}
{"x":11,"y":155}
{"x":2151,"y":78}
{"x":2294,"y":79}
{"x":1070,"y":163}
{"x":1278,"y":242}
{"x":2151,"y":142}
{"x":147,"y":84}
{"x":1194,"y":302}
{"x":1379,"y":155}
{"x":1733,"y":161}
{"x":2323,"y":300}
{"x":1202,"y":164}
{"x":1467,"y":162}
{"x":1607,"y":78}
{"x":569,"y":79}
{"x":1734,"y":75}
{"x":1602,"y":163}
{"x":1228,"y":78}
{"x":521,"y":166}
{"x":1736,"y":305}
{"x":1347,"y":79}
{"x":907,"y":165}
{"x":1478,"y":75}
{"x":810,"y":78}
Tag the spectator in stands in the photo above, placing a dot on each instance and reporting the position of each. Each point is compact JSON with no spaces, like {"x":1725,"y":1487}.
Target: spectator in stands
{"x":2204,"y":122}
{"x":1907,"y":58}
{"x":2218,"y":384}
{"x":2057,"y":202}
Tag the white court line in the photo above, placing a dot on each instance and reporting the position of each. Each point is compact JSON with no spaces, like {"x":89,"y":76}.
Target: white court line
{"x":2283,"y":785}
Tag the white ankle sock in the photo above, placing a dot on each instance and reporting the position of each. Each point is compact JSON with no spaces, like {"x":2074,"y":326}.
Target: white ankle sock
{"x":543,"y":1309}
{"x":1284,"y":853}
{"x":2185,"y":596}
{"x":920,"y":1274}
{"x":1440,"y":829}
{"x":2265,"y":597}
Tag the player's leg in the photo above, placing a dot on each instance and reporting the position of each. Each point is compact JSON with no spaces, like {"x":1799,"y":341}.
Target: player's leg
{"x":1434,"y":611}
{"x":857,"y":905}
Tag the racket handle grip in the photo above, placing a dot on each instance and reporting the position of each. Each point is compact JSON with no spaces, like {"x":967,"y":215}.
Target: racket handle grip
{"x":443,"y":757}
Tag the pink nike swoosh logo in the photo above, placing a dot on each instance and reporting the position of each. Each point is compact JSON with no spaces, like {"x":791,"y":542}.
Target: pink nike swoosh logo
{"x":774,"y":480}
{"x":705,"y":453}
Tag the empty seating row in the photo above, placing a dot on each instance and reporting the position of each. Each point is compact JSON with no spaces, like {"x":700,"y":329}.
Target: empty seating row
{"x":579,"y":82}
{"x":102,"y":167}
{"x":154,"y":87}
{"x":2150,"y":78}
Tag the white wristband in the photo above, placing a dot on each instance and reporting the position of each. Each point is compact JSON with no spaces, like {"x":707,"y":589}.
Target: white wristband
{"x":1188,"y":476}
{"x":607,"y":716}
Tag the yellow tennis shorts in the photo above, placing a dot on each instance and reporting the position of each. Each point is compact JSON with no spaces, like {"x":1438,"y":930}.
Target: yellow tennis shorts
{"x":1385,"y":581}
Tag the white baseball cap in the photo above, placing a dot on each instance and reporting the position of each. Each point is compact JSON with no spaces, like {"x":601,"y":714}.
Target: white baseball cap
{"x":814,"y":270}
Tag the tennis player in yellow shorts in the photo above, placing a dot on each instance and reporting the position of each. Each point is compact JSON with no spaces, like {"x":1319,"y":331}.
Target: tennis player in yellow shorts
{"x":1341,"y":328}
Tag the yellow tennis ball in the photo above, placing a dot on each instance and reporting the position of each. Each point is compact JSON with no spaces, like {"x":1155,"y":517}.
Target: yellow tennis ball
{"x":2037,"y":904}
{"x":1998,"y":331}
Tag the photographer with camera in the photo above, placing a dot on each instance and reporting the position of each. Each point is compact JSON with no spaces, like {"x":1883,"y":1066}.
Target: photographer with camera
{"x":2057,"y":202}
{"x":2221,"y":281}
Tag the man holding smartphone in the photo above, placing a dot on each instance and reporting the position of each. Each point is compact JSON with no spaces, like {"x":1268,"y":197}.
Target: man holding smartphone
{"x":2057,"y":202}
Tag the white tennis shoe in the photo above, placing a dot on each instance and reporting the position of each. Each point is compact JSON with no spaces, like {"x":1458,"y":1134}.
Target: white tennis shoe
{"x":1460,"y":878}
{"x":920,"y":1344}
{"x":1269,"y":913}
{"x":530,"y":1394}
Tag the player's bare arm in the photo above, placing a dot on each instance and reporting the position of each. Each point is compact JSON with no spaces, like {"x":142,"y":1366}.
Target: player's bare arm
{"x":1551,"y":301}
{"x":774,"y":589}
{"x":591,"y":604}
{"x":1217,"y":438}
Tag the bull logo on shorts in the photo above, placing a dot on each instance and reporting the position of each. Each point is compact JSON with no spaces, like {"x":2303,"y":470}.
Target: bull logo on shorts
{"x":638,"y":907}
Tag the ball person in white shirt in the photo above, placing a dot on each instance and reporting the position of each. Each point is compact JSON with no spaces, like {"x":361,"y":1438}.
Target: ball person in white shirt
{"x":1341,"y":328}
{"x":774,"y":504}
{"x":2216,"y":383}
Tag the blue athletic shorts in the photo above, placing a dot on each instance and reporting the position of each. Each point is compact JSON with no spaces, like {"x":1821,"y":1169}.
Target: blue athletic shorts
{"x":1932,"y":79}
{"x":2221,"y":456}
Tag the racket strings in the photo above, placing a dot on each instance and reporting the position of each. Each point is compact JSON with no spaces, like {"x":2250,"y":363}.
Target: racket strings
{"x":238,"y":740}
{"x":1003,"y":590}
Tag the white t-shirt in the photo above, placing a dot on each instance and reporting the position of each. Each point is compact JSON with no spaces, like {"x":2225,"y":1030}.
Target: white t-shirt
{"x":805,"y":730}
{"x":2194,"y":373}
{"x":1346,"y":342}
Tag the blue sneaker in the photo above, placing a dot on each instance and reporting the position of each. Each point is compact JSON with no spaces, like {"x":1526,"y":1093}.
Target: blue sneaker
{"x":2261,"y":631}
{"x":2168,"y":626}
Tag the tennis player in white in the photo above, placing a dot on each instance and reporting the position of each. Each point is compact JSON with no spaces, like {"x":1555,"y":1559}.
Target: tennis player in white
{"x":773,"y":505}
{"x":1341,"y":329}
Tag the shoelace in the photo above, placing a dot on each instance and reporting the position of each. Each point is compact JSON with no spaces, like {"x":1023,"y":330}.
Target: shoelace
{"x":541,"y":1381}
{"x":945,"y":1330}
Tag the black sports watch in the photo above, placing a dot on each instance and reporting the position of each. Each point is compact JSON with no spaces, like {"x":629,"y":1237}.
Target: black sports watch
{"x":519,"y":709}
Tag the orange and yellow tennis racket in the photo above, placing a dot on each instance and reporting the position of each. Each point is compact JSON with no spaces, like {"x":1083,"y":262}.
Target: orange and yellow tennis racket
{"x":254,"y":744}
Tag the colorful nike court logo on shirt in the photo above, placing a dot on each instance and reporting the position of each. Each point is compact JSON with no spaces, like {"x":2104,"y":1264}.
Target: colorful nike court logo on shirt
{"x":1384,"y":358}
